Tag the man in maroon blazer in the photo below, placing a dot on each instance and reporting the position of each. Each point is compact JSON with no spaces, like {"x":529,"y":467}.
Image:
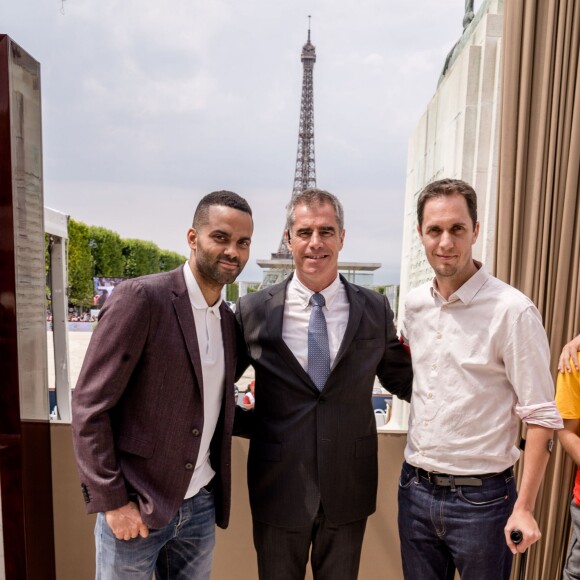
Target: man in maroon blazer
{"x":154,"y":405}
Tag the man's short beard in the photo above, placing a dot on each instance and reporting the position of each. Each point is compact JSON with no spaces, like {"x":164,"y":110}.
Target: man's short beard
{"x":224,"y":277}
{"x":212,"y":271}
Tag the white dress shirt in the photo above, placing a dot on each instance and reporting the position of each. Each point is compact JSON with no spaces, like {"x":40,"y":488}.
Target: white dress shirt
{"x":480,"y":360}
{"x":297,"y":317}
{"x":211,"y":349}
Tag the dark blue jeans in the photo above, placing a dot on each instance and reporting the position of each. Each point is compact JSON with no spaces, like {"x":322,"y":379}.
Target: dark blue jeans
{"x":182,"y":549}
{"x":444,"y":528}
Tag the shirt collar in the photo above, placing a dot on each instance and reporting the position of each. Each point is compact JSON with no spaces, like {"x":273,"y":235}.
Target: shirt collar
{"x":468,"y":291}
{"x":303,"y":294}
{"x":195,"y":294}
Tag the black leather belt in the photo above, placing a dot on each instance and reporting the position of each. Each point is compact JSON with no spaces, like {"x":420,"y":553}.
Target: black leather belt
{"x":448,"y":480}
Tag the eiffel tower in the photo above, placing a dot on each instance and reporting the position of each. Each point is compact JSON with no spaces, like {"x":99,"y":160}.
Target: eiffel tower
{"x":280,"y":265}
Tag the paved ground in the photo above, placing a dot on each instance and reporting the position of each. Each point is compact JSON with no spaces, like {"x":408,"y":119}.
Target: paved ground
{"x":77,"y":346}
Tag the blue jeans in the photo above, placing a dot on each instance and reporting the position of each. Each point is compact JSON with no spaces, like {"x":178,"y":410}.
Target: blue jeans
{"x":444,"y":528}
{"x":182,"y":549}
{"x":572,"y":566}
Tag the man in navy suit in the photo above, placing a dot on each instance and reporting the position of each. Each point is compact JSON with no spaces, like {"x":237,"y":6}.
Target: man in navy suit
{"x":154,"y":405}
{"x":312,"y":466}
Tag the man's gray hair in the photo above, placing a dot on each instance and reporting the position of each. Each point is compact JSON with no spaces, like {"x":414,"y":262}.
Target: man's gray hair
{"x":314,"y":197}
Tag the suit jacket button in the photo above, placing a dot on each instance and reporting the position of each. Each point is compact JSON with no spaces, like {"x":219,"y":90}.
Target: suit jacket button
{"x":195,"y":432}
{"x":189,"y":466}
{"x":321,"y":400}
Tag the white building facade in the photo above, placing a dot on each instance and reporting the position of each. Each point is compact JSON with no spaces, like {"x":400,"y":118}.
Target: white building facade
{"x":457,"y":137}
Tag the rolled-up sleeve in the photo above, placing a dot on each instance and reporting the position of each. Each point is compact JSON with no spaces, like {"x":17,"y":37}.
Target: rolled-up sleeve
{"x":544,"y":415}
{"x":527,"y":363}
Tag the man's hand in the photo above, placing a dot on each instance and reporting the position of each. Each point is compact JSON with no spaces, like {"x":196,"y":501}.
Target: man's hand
{"x":569,"y":351}
{"x":524,"y":521}
{"x":126,"y":523}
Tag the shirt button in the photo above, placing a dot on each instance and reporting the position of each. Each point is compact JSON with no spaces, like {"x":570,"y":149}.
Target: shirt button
{"x":195,"y":432}
{"x":189,"y":466}
{"x":434,"y":366}
{"x":426,"y":423}
{"x":438,"y":336}
{"x":430,"y":396}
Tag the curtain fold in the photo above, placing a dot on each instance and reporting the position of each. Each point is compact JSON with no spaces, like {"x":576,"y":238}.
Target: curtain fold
{"x":537,"y":246}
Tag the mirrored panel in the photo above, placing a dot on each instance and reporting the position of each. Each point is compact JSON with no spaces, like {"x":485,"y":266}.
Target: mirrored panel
{"x":26,"y":136}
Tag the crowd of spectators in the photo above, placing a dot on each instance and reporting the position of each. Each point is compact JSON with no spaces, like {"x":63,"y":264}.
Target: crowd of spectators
{"x":86,"y":317}
{"x":75,"y":317}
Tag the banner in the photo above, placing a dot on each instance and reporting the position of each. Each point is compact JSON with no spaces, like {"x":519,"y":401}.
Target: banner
{"x":104,"y":288}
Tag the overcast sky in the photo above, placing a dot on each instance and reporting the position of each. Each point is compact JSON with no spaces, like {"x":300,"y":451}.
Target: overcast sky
{"x":149,"y":105}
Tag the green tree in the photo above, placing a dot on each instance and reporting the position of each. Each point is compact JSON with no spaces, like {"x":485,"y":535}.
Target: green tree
{"x":232,"y":292}
{"x":107,"y":252}
{"x":80,"y":265}
{"x":140,"y":258}
{"x":97,"y":251}
{"x":169,"y":260}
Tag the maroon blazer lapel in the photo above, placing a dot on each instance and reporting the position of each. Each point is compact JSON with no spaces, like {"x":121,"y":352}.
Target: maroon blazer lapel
{"x":182,"y":306}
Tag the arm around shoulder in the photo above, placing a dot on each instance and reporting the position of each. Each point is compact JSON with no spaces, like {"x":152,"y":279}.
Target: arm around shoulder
{"x":395,"y":371}
{"x":570,"y":351}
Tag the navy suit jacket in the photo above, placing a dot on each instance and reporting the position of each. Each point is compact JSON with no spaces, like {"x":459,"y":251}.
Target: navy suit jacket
{"x":138,"y":403}
{"x":309,"y":447}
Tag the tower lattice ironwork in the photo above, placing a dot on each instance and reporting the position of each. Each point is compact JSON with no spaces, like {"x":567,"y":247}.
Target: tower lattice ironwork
{"x":305,"y":172}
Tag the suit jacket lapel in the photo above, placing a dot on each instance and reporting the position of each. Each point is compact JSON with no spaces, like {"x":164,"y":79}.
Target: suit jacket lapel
{"x":229,"y":341}
{"x":182,"y":306}
{"x":274,"y":317}
{"x":355,"y":311}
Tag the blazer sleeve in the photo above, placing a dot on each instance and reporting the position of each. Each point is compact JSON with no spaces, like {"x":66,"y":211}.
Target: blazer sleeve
{"x":243,"y":356}
{"x":395,"y":371}
{"x":115,"y":349}
{"x":243,"y":418}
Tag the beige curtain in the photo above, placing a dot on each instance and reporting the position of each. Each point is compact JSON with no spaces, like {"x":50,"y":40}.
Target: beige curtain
{"x":538,"y":214}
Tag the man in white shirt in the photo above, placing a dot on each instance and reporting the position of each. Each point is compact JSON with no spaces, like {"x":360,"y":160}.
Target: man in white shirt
{"x":480,"y":361}
{"x":153,"y":408}
{"x":316,"y":343}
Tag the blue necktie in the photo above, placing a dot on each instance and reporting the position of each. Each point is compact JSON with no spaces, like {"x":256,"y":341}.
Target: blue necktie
{"x":318,"y":351}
